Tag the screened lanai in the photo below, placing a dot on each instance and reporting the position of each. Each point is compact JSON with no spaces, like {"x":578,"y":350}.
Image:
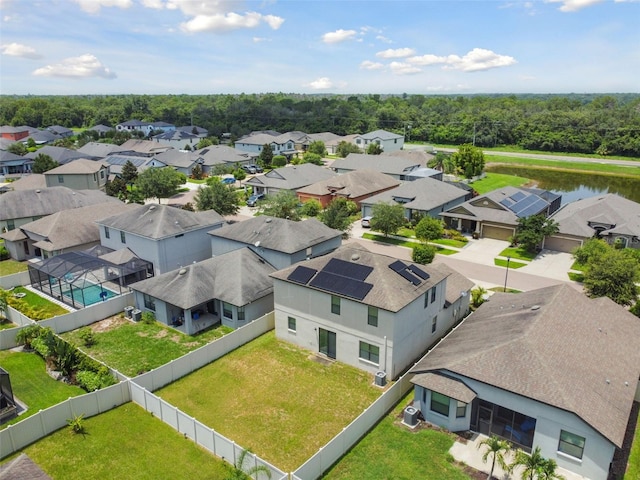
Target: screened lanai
{"x":86,"y":277}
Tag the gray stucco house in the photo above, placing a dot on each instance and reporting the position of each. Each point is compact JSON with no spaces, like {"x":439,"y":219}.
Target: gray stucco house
{"x":79,"y":174}
{"x":168,"y":237}
{"x":388,"y":141}
{"x":399,"y":167}
{"x":290,"y":178}
{"x":547,"y":368}
{"x":232,"y":289}
{"x":367,"y":310}
{"x":279,"y":241}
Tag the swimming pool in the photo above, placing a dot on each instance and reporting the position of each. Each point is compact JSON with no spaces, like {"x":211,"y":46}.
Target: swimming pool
{"x":89,"y":295}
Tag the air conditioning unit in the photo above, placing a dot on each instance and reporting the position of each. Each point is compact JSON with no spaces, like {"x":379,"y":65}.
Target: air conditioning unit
{"x":128,"y":310}
{"x":381,"y":378}
{"x":410,"y":416}
{"x":136,"y":315}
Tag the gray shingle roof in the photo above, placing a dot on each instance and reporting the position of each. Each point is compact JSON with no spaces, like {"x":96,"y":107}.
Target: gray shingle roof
{"x":553,"y":345}
{"x":423,"y":194}
{"x":99,"y":149}
{"x":389,"y":164}
{"x":79,"y":166}
{"x":59,"y":154}
{"x":238,"y":277}
{"x":381,"y":134}
{"x":144,"y":146}
{"x":160,"y":221}
{"x":390,"y":291}
{"x":28,"y":182}
{"x":292,"y":177}
{"x":278,"y":234}
{"x":352,"y":184}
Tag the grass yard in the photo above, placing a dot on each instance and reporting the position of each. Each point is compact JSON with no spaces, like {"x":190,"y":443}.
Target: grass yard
{"x":403,"y":243}
{"x":31,"y":384}
{"x":272,"y":397}
{"x":136,"y":347}
{"x":601,"y":168}
{"x":9,"y":267}
{"x":6,"y":324}
{"x":578,"y":266}
{"x":34,"y":306}
{"x":125,"y":442}
{"x":449,"y":242}
{"x":576,"y":277}
{"x":494,"y":181}
{"x":391,"y":450}
{"x":503,"y":263}
{"x":633,"y":466}
{"x":518,"y":253}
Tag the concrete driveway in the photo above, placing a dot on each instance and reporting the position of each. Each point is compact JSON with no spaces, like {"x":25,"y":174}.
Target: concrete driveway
{"x":482,"y":251}
{"x":550,"y":264}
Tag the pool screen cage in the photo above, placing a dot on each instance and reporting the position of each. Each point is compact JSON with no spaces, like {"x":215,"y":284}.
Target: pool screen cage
{"x":80,"y":279}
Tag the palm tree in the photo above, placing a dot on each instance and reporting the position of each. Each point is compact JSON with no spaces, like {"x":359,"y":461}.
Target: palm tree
{"x":548,"y":471}
{"x":497,"y":448}
{"x":239,"y":472}
{"x":533,"y":464}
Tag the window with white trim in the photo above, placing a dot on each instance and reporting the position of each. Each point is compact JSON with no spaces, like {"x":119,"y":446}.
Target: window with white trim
{"x":241,"y":314}
{"x":434,"y":324}
{"x":335,"y":304}
{"x":372,"y":316}
{"x":369,"y":352}
{"x":106,"y":232}
{"x":227,"y":310}
{"x":149,"y":302}
{"x":461,"y":409}
{"x":571,"y":444}
{"x":291,"y":324}
{"x":439,"y":403}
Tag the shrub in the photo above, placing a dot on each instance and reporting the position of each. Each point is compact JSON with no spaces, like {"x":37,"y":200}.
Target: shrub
{"x":4,"y":253}
{"x":477,"y":296}
{"x":423,"y":254}
{"x":27,"y":335}
{"x":92,"y":381}
{"x":87,"y":336}
{"x":278,"y":161}
{"x":311,"y":208}
{"x":76,"y":424}
{"x":148,"y":317}
{"x":39,"y":344}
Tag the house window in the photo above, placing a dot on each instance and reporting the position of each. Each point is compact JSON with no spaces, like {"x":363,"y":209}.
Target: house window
{"x":11,"y":224}
{"x":291,"y":324}
{"x":106,"y":232}
{"x":60,"y":179}
{"x":440,"y":403}
{"x":433,"y":294}
{"x":426,"y":299}
{"x":571,"y":444}
{"x":370,"y":353}
{"x":102,"y":174}
{"x":123,"y":237}
{"x":372,"y":316}
{"x":461,"y":409}
{"x":227,"y":310}
{"x":434,"y":324}
{"x":335,"y":304}
{"x":95,"y":177}
{"x":358,"y":141}
{"x":241,"y":314}
{"x":149,"y":302}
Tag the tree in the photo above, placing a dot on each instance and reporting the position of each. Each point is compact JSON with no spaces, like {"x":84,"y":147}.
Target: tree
{"x":496,"y":448}
{"x":217,"y":196}
{"x":116,"y":188}
{"x":187,"y":147}
{"x":318,"y":148}
{"x":337,"y":215}
{"x":442,"y":162}
{"x":279,"y":161}
{"x":240,"y":472}
{"x":591,"y":251}
{"x":374,"y":149}
{"x":31,"y":143}
{"x":266,"y":156}
{"x":4,"y":302}
{"x":344,"y":148}
{"x":239,"y":174}
{"x":478,"y":296}
{"x":159,"y":182}
{"x":469,"y":160}
{"x":387,"y":218}
{"x":43,"y":163}
{"x":196,"y":172}
{"x":548,"y":471}
{"x":423,"y":253}
{"x":532,"y":230}
{"x":17,"y":148}
{"x":429,"y":228}
{"x":284,"y":204}
{"x":310,"y":157}
{"x":311,"y":208}
{"x":613,"y":275}
{"x":129,"y":173}
{"x":531,"y":464}
{"x":204,"y":143}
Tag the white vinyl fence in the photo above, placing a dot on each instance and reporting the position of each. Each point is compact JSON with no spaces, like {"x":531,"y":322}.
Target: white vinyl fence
{"x":14,"y":280}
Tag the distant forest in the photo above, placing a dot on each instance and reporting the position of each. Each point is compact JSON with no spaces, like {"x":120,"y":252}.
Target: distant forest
{"x":578,"y":123}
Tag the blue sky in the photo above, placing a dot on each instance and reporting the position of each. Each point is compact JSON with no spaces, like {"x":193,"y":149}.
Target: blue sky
{"x":308,"y":46}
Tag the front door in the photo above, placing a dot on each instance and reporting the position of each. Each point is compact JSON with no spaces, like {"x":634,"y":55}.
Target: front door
{"x":485,"y":417}
{"x":327,"y":343}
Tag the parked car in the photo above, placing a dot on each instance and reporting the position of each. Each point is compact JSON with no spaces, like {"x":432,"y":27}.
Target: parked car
{"x":366,"y":221}
{"x":254,"y":199}
{"x":228,"y":180}
{"x":258,"y":168}
{"x":249,"y":169}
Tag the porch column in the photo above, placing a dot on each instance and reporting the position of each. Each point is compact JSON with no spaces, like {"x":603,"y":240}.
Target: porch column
{"x":188,"y":322}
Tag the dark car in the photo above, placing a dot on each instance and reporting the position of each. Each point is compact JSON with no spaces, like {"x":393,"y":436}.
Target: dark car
{"x":257,"y":168}
{"x":228,"y":180}
{"x":254,"y":199}
{"x":249,"y":169}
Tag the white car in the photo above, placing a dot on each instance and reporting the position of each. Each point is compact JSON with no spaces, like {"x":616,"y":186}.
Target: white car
{"x":366,"y":221}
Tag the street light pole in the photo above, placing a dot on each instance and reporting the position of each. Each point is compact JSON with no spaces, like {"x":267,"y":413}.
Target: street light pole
{"x":506,"y":275}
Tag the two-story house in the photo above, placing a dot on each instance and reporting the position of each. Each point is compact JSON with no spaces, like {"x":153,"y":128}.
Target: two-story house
{"x":80,"y":174}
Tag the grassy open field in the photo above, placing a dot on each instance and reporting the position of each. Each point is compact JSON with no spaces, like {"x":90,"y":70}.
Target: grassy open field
{"x":601,"y":168}
{"x":9,"y":267}
{"x":493,"y":181}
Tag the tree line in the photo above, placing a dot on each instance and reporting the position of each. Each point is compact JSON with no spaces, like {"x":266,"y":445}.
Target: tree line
{"x":574,"y":123}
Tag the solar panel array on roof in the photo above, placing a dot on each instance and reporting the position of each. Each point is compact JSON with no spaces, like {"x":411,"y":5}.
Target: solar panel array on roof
{"x":419,"y":272}
{"x":397,"y":266}
{"x":302,"y":275}
{"x":409,"y":272}
{"x":507,"y":202}
{"x":516,"y":197}
{"x":409,"y":276}
{"x":334,"y":283}
{"x":524,"y":205}
{"x":117,"y":160}
{"x":348,"y":269}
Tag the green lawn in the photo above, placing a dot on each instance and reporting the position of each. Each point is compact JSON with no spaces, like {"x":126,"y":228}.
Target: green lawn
{"x":274,"y":398}
{"x":136,"y":347}
{"x":501,"y":290}
{"x":494,"y":181}
{"x":576,"y":277}
{"x":633,"y":467}
{"x":403,"y":243}
{"x":392,"y":451}
{"x":577,"y":266}
{"x":519,"y":253}
{"x":449,"y":242}
{"x":5,"y":324}
{"x":503,"y":263}
{"x":602,"y":168}
{"x":31,"y":384}
{"x":9,"y":267}
{"x":125,"y":442}
{"x":34,"y":306}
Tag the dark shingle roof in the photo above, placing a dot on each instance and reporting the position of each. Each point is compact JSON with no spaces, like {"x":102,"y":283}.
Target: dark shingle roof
{"x":352,"y":184}
{"x":292,"y":177}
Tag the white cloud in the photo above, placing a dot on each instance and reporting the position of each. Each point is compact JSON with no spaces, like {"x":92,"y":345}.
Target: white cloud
{"x":369,"y":65}
{"x":84,"y":66}
{"x":155,"y":4}
{"x":19,"y":50}
{"x":323,"y":83}
{"x":193,"y":8}
{"x":229,"y":21}
{"x":401,"y":68}
{"x":384,"y":39}
{"x":396,"y":53}
{"x":478,"y":59}
{"x":426,"y":60}
{"x":338,"y":36}
{"x":260,"y":39}
{"x":574,"y":5}
{"x":94,"y":6}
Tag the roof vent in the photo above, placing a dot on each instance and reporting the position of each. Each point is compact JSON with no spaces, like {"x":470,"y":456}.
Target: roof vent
{"x":267,"y":220}
{"x":182,"y":271}
{"x":608,"y":381}
{"x":535,"y":307}
{"x":38,"y":191}
{"x":355,"y":257}
{"x":152,"y":207}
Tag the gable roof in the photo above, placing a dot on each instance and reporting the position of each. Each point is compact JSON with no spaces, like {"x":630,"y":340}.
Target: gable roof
{"x":146,"y":147}
{"x":97,"y":149}
{"x":177,"y":158}
{"x":278,"y":234}
{"x":217,"y":154}
{"x":160,"y":221}
{"x":423,"y":194}
{"x":457,"y":284}
{"x":389,"y":290}
{"x":573,"y":218}
{"x":519,"y":343}
{"x":80,"y":166}
{"x":352,"y":184}
{"x":33,"y":181}
{"x":238,"y":277}
{"x":292,"y":177}
{"x":389,"y":164}
{"x":59,"y":154}
{"x":176,"y":136}
{"x":100,"y":128}
{"x":380,"y":134}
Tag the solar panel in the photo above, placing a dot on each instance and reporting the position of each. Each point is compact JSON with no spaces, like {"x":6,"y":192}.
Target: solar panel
{"x":341,"y":285}
{"x":397,"y":266}
{"x":507,"y":202}
{"x":533,"y":209}
{"x":347,"y":269}
{"x":419,"y":272}
{"x":524,"y":203}
{"x":516,"y":197}
{"x":302,"y":275}
{"x":409,"y":276}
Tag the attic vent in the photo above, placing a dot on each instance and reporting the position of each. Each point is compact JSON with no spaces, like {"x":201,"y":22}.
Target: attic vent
{"x":535,"y":307}
{"x":182,"y":271}
{"x":355,"y":257}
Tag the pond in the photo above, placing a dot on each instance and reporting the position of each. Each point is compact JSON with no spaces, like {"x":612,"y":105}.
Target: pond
{"x":575,"y":185}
